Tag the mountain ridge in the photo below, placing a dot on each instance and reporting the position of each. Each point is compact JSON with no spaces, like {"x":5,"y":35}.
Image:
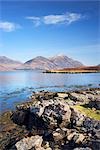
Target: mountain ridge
{"x":7,"y":64}
{"x":56,"y":62}
{"x":39,"y":62}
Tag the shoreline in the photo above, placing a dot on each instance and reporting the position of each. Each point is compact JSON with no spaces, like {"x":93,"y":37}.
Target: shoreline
{"x":57,"y":119}
{"x":71,"y":71}
{"x":16,"y":102}
{"x":84,"y":69}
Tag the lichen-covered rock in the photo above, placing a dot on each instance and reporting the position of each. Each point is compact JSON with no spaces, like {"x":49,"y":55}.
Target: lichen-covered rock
{"x":62,"y":95}
{"x":91,"y":125}
{"x":78,"y":97}
{"x":53,"y":117}
{"x":95,"y":103}
{"x":56,"y":114}
{"x":44,"y":95}
{"x":53,"y":112}
{"x":77,"y":118}
{"x":29,"y":143}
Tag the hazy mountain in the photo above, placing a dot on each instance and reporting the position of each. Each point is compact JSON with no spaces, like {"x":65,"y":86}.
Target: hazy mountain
{"x":39,"y":63}
{"x":2,"y":68}
{"x":8,"y":64}
{"x":62,"y":61}
{"x":57,"y":62}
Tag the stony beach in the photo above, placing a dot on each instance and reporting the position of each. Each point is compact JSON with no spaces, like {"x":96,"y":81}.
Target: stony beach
{"x":53,"y":121}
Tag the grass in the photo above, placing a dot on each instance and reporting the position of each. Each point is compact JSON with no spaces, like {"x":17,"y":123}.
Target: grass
{"x":94,"y":114}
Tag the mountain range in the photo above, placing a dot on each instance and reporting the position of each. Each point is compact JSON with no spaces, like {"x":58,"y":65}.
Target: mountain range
{"x":7,"y":64}
{"x":39,"y":62}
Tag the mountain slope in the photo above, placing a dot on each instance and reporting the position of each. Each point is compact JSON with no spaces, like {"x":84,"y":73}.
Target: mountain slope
{"x":39,"y":63}
{"x":8,"y":64}
{"x":58,"y":62}
{"x":62,"y":61}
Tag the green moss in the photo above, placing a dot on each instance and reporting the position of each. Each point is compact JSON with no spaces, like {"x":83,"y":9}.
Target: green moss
{"x":5,"y":118}
{"x":95,"y":114}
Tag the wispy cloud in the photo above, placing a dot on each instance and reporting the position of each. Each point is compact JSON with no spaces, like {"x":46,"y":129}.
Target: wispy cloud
{"x":8,"y":26}
{"x":36,"y":20}
{"x":66,"y":18}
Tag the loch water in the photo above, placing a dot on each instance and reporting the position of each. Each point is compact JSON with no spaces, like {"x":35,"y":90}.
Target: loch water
{"x":17,"y":86}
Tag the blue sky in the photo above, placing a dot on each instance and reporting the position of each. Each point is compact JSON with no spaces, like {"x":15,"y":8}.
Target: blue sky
{"x":47,"y":28}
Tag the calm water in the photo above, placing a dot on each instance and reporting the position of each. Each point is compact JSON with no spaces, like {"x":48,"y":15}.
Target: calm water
{"x":17,"y":86}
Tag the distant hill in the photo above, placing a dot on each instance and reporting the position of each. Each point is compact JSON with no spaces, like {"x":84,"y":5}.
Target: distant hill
{"x":62,"y":61}
{"x":39,"y":62}
{"x":2,"y":68}
{"x":57,"y":62}
{"x":8,"y":64}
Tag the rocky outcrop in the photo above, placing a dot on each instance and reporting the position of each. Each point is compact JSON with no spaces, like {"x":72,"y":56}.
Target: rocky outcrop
{"x":77,"y":118}
{"x":50,"y":122}
{"x":95,"y":103}
{"x":52,"y":112}
{"x":30,"y":142}
{"x":82,"y":148}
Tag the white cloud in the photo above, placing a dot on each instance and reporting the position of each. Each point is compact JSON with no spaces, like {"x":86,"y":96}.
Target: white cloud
{"x":36,"y":20}
{"x":8,"y":26}
{"x":66,"y":18}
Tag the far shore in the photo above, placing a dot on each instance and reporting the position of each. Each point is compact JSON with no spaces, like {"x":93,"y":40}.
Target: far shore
{"x":89,"y":69}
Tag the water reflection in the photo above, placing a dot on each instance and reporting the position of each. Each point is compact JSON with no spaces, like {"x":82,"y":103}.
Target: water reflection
{"x":18,"y":85}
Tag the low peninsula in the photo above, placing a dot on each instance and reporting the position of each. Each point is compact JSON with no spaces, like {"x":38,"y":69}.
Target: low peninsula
{"x":89,"y":69}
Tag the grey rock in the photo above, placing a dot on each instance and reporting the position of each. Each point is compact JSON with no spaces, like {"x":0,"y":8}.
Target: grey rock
{"x":59,"y":134}
{"x":81,"y":148}
{"x":77,"y":118}
{"x":95,"y":144}
{"x":95,"y":103}
{"x":56,"y":113}
{"x":29,"y":143}
{"x":62,"y":95}
{"x":78,"y":138}
{"x":78,"y":97}
{"x":91,"y":125}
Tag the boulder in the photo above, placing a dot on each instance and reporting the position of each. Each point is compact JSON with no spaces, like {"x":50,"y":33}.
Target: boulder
{"x":82,"y":148}
{"x":95,"y":103}
{"x":29,"y":143}
{"x":78,"y":138}
{"x":77,"y":118}
{"x":78,"y":97}
{"x":59,"y":134}
{"x":43,"y":95}
{"x":62,"y":95}
{"x":91,"y":124}
{"x":52,"y":113}
{"x":56,"y":113}
{"x":95,"y":144}
{"x":71,"y":135}
{"x":20,"y":116}
{"x":90,"y":96}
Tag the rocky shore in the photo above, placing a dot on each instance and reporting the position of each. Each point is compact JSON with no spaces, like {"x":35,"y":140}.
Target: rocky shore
{"x":53,"y":121}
